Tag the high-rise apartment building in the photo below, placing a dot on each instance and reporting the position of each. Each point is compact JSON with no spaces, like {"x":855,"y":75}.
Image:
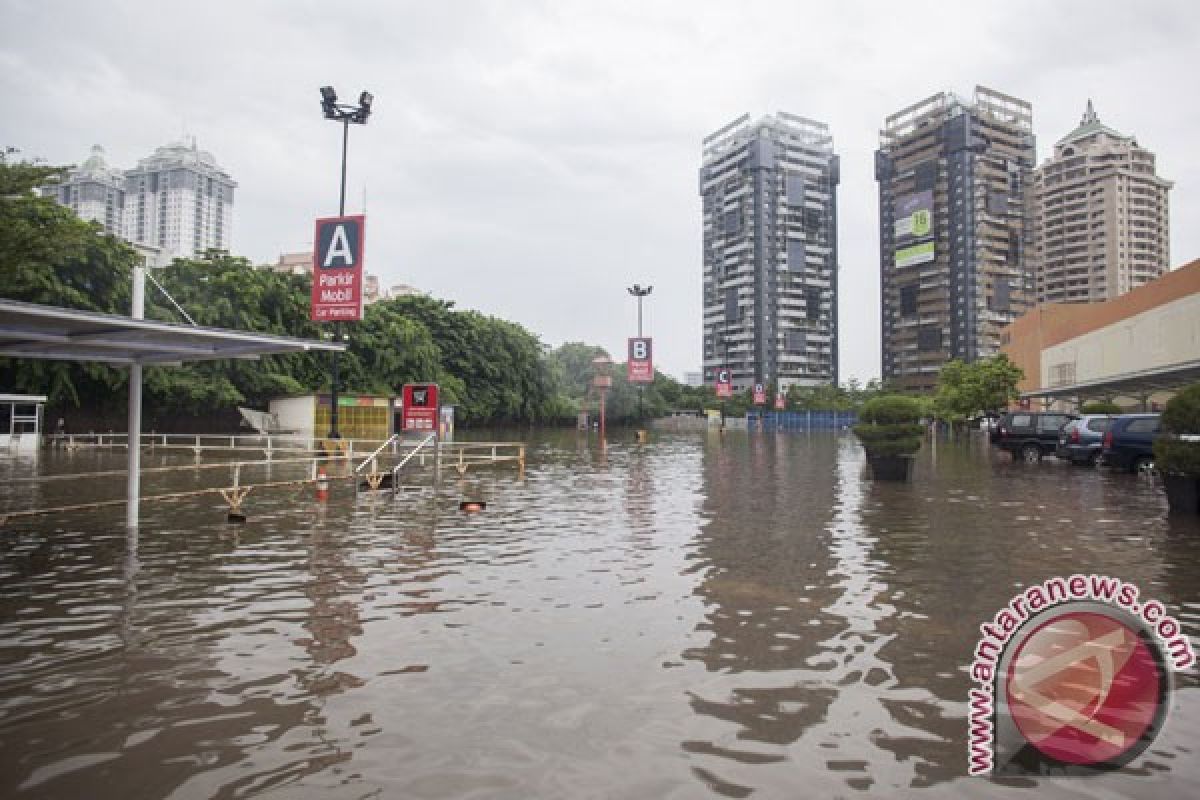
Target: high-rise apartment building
{"x":1101,"y":217}
{"x":175,"y":204}
{"x":95,"y":192}
{"x":180,"y":201}
{"x":954,"y":230}
{"x":769,"y":190}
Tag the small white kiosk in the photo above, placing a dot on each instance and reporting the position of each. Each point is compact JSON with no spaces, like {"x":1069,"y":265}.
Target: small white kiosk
{"x":21,"y":422}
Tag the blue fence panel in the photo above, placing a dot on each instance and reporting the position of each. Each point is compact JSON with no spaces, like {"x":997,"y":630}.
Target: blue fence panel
{"x":800,"y":420}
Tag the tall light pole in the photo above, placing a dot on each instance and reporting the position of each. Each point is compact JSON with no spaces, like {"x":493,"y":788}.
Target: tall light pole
{"x":639,"y":293}
{"x":344,"y":114}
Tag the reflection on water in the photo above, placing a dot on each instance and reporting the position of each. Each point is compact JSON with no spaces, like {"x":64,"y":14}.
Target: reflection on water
{"x":704,"y":616}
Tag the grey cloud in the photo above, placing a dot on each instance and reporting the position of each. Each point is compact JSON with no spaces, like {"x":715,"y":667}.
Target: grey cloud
{"x":532,"y":159}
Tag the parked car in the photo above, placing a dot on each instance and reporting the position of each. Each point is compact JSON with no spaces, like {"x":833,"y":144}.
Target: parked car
{"x":1029,"y":435}
{"x":1081,"y":440}
{"x":1129,"y":442}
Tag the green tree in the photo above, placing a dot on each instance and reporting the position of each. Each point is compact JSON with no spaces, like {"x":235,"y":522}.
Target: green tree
{"x":52,"y":257}
{"x":987,"y":386}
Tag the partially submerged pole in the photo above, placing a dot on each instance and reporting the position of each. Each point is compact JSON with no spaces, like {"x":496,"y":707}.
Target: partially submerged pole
{"x":133,"y":480}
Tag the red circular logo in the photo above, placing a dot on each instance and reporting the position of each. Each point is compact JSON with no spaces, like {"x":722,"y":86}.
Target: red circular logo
{"x":1084,"y":688}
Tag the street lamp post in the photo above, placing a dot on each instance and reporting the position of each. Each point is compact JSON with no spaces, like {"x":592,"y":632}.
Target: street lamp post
{"x":640,"y":292}
{"x":344,"y":114}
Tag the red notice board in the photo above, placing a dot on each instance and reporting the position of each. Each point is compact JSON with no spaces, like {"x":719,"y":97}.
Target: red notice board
{"x":420,"y":407}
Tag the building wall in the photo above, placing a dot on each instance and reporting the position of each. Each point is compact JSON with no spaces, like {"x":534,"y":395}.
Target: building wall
{"x":769,"y":190}
{"x":947,"y":289}
{"x":1143,"y":327}
{"x":1161,"y":337}
{"x":296,"y":413}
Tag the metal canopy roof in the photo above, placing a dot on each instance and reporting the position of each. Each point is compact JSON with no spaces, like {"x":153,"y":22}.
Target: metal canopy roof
{"x":32,"y":331}
{"x":1130,"y":384}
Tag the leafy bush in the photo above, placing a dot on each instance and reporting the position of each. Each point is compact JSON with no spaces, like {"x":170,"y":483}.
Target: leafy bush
{"x":1100,"y":407}
{"x":1181,"y":416}
{"x":1177,"y":457}
{"x":890,"y":426}
{"x":891,"y":409}
{"x":874,"y":434}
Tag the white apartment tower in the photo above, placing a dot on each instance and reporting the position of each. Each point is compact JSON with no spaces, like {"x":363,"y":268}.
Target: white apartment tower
{"x":95,"y":192}
{"x":180,"y":201}
{"x":1101,"y":216}
{"x":769,"y":189}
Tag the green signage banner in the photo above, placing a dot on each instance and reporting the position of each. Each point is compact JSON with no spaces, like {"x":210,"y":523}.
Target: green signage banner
{"x":916,"y":254}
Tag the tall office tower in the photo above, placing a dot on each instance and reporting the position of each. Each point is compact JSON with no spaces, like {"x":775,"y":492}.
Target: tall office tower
{"x":179,"y":201}
{"x":769,"y":192}
{"x":1101,"y":216}
{"x":954,"y":229}
{"x":95,"y":191}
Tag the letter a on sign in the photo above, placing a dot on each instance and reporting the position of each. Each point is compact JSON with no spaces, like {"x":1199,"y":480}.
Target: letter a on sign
{"x":338,"y":269}
{"x":339,"y":248}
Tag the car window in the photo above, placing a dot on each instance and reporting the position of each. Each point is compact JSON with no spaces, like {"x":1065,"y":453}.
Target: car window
{"x":1143,"y":425}
{"x":1021,"y":421}
{"x":1051,"y":422}
{"x":1099,"y":424}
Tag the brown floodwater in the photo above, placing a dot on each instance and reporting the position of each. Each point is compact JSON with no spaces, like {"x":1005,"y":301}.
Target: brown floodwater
{"x":702,"y":616}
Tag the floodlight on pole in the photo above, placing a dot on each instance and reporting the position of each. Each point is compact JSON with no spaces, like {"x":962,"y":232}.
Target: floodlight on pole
{"x":639,"y":292}
{"x":344,"y":114}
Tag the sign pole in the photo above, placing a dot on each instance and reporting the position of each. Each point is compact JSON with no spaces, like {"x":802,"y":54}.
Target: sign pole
{"x":437,"y":450}
{"x":641,"y":388}
{"x":337,"y":326}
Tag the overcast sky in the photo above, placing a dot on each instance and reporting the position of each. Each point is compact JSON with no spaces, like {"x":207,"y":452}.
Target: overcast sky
{"x":532,"y":159}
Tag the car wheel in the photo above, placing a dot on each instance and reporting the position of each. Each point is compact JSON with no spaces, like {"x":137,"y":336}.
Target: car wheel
{"x":1093,"y":460}
{"x":1031,"y":454}
{"x":1144,"y":465}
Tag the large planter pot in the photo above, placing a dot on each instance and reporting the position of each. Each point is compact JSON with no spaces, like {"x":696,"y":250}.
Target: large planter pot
{"x":891,"y":468}
{"x":1183,"y":493}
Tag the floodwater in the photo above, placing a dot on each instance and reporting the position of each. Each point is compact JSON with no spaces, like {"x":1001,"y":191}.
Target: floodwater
{"x":697,"y":617}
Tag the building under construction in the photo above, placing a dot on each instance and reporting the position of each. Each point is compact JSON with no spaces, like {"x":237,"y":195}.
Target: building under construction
{"x":954,"y":230}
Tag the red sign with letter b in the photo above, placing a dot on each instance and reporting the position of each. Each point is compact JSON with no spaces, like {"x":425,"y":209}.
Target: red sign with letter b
{"x":640,"y":365}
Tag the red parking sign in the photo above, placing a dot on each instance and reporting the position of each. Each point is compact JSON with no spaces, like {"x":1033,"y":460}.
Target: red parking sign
{"x":640,"y":364}
{"x":338,"y":269}
{"x":724,"y":383}
{"x":420,"y":409}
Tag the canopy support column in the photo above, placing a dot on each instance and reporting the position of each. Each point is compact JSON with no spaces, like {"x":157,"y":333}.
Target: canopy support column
{"x":133,"y":482}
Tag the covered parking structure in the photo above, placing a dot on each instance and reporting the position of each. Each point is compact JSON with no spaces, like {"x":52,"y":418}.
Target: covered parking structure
{"x":1138,"y":386}
{"x":32,"y":331}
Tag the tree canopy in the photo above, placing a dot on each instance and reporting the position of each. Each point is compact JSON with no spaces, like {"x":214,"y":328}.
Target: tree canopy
{"x":984,"y":386}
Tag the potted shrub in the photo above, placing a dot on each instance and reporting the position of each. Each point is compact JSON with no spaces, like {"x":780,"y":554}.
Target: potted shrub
{"x":890,"y":431}
{"x":1177,"y":451}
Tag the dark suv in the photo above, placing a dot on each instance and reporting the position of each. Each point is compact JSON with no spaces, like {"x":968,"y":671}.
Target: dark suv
{"x":1129,"y":443}
{"x":1081,"y":440}
{"x":1029,"y":435}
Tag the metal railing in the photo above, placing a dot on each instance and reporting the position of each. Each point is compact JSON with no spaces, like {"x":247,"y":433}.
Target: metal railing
{"x":371,"y":458}
{"x":404,"y":461}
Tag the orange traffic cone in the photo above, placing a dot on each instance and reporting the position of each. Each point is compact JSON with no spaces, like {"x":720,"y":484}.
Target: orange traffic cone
{"x":322,"y":486}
